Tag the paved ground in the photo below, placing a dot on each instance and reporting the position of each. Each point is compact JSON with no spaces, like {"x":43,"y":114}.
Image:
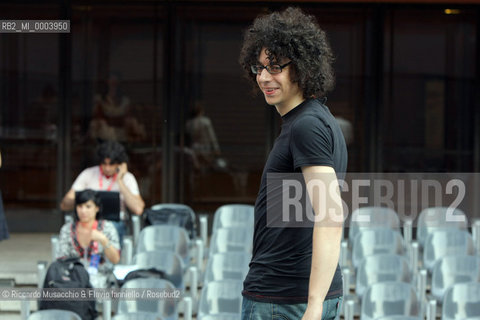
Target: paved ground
{"x":20,"y":254}
{"x":18,"y":262}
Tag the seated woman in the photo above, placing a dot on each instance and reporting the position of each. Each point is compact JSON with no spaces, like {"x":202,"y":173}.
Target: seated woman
{"x":87,"y":235}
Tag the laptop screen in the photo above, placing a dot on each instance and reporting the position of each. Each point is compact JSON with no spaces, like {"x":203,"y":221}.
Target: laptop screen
{"x":110,"y":205}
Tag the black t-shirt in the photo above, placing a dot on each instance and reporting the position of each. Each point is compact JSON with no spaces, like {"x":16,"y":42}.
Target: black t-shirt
{"x":281,"y":259}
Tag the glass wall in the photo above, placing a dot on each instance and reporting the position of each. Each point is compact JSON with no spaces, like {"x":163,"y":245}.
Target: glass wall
{"x":29,"y":103}
{"x":349,"y":36}
{"x":225,"y":126}
{"x":117,"y":87}
{"x":429,"y":98}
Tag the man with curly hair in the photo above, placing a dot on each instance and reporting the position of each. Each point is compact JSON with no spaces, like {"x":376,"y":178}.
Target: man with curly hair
{"x":111,"y":174}
{"x":294,"y":272}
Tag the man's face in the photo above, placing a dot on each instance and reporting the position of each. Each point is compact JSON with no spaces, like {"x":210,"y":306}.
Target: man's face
{"x":278,"y":89}
{"x":109,"y":168}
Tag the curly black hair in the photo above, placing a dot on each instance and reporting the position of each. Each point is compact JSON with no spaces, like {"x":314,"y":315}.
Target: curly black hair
{"x":297,"y":36}
{"x":112,"y":150}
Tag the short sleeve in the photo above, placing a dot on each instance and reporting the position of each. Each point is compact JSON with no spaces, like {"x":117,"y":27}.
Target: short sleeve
{"x":111,"y":233}
{"x":81,"y":182}
{"x":131,"y":183}
{"x":311,"y":143}
{"x":64,"y":241}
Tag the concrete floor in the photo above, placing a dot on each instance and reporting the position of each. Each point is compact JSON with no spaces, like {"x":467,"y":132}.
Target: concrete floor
{"x":20,"y":254}
{"x":18,"y":262}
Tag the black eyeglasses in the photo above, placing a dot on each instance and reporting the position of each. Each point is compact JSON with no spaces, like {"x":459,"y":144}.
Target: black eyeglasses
{"x":271,"y":68}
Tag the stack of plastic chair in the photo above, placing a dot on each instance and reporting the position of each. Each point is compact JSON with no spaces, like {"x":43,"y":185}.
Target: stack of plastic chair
{"x":167,"y":248}
{"x":171,"y":265}
{"x":221,"y":299}
{"x":358,"y":246}
{"x":439,"y":218}
{"x":179,"y":216}
{"x":231,"y":239}
{"x":382,"y":268}
{"x":376,"y":241}
{"x":390,"y":299}
{"x":372,"y":217}
{"x":229,"y":216}
{"x":434,"y":219}
{"x":446,"y":242}
{"x":166,"y":308}
{"x":166,"y":261}
{"x":462,"y":301}
{"x":365,"y":218}
{"x":165,"y":237}
{"x":239,"y":219}
{"x":227,"y":266}
{"x":182,"y":211}
{"x":426,"y":249}
{"x":386,"y":243}
{"x":54,"y":314}
{"x":234,"y":215}
{"x":451,"y":270}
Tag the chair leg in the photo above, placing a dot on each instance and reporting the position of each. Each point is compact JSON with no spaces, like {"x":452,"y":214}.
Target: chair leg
{"x":41,"y":272}
{"x":127,"y":251}
{"x":54,"y":244}
{"x":187,"y":308}
{"x":204,"y":229}
{"x":431,"y":310}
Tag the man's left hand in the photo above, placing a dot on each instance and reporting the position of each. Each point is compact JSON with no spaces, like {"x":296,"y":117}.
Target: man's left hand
{"x":313,"y":312}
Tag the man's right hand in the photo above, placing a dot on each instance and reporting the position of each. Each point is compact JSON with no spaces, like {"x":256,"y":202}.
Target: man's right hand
{"x":122,"y":169}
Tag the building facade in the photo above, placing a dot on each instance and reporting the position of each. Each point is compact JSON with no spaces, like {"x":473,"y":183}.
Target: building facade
{"x":407,"y":94}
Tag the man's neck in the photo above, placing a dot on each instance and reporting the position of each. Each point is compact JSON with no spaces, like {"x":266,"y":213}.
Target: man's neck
{"x":284,"y":109}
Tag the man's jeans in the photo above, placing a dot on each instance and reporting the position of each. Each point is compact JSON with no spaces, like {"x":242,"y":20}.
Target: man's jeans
{"x":252,"y":310}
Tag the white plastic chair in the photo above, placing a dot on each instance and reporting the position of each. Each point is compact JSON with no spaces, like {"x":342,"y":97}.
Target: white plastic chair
{"x":372,"y":217}
{"x":54,"y":314}
{"x":234,"y":215}
{"x":376,"y":241}
{"x":462,"y":301}
{"x":438,"y":218}
{"x":173,"y":219}
{"x":390,"y":299}
{"x":166,"y":308}
{"x":165,"y":237}
{"x":227,"y":266}
{"x":382,"y":268}
{"x":166,"y":261}
{"x":232,"y":239}
{"x":221,"y":298}
{"x":451,"y":270}
{"x":446,"y":242}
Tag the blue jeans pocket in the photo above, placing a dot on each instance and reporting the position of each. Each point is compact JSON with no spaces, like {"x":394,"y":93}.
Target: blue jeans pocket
{"x":331,"y":308}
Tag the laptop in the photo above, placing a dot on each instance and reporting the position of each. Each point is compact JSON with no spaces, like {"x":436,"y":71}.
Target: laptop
{"x":110,"y":205}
